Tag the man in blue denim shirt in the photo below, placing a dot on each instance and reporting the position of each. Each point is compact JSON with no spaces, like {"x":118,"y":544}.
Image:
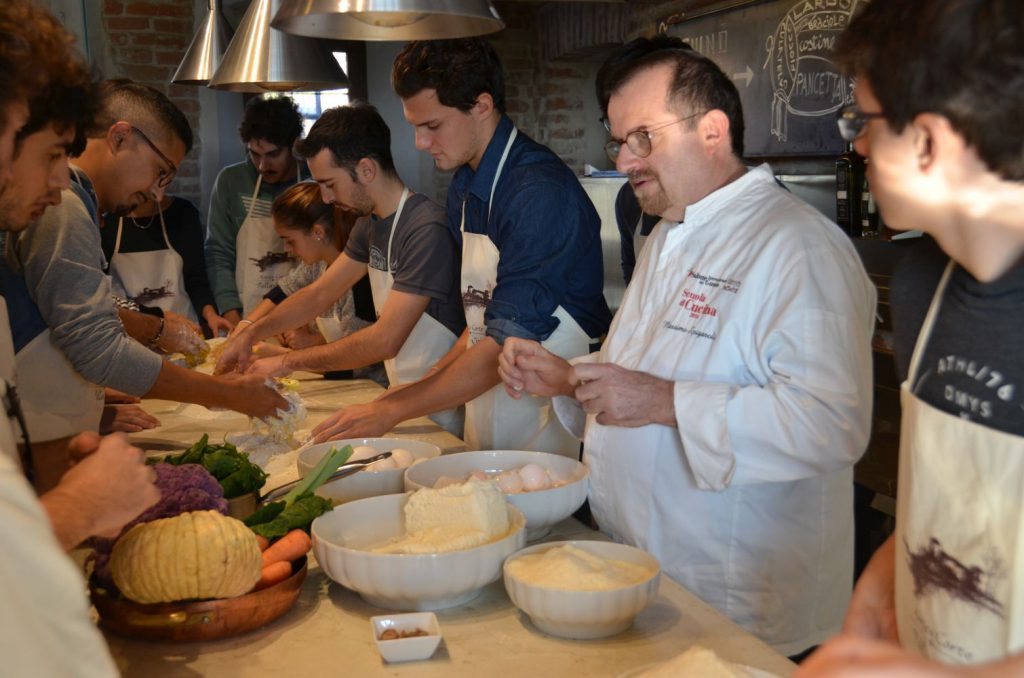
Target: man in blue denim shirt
{"x":531,"y":252}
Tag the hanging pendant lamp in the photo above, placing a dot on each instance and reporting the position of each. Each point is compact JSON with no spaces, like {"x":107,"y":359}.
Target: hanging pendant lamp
{"x":388,"y":19}
{"x":262,"y":59}
{"x":204,"y":54}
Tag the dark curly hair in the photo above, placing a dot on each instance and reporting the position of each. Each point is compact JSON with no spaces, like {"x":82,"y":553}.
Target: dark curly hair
{"x":37,"y":54}
{"x":698,"y":84}
{"x":962,"y":59}
{"x":459,"y":70}
{"x":275,"y":119}
{"x":351,"y":133}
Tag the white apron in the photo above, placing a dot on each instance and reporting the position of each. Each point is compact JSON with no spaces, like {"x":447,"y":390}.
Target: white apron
{"x":959,"y":529}
{"x":428,"y":342}
{"x":154,"y":278}
{"x":259,"y":256}
{"x":495,"y":421}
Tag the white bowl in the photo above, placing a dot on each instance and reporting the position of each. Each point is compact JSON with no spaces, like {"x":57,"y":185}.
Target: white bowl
{"x":585,"y":614}
{"x":542,"y":508}
{"x":366,"y":483}
{"x":407,"y":649}
{"x":341,"y":540}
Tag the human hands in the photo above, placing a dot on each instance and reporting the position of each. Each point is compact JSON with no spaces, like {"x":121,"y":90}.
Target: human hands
{"x":848,"y":656}
{"x":270,"y":367}
{"x":250,"y":394}
{"x":180,"y":335}
{"x":621,"y":397}
{"x":233,"y":316}
{"x":369,"y":420}
{"x":217,"y":323}
{"x":872,"y":609}
{"x":111,"y":396}
{"x":127,"y":418}
{"x":302,"y":337}
{"x":109,"y":486}
{"x":527,"y":367}
{"x":236,"y":353}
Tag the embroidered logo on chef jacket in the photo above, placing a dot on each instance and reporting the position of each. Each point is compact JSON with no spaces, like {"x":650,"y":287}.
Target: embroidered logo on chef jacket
{"x":715,"y":282}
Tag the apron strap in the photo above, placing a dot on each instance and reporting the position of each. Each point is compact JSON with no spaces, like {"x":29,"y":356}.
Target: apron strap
{"x":394,"y":224}
{"x":117,"y":240}
{"x":252,"y":202}
{"x":163,"y":226}
{"x":494,"y":184}
{"x":929,"y":322}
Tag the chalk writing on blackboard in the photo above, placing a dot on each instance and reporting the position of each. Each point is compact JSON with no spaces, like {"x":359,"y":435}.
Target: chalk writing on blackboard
{"x":805,"y":80}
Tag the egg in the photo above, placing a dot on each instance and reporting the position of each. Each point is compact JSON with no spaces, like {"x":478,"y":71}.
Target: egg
{"x":383,"y":465}
{"x":361,"y":452}
{"x":403,"y":457}
{"x":534,"y":477}
{"x":478,"y":475}
{"x":510,"y":482}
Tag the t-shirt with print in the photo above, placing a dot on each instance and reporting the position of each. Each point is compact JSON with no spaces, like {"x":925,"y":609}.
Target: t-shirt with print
{"x":424,"y":258}
{"x":972,"y":365}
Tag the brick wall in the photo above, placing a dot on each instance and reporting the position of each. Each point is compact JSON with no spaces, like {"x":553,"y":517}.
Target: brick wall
{"x":146,"y":41}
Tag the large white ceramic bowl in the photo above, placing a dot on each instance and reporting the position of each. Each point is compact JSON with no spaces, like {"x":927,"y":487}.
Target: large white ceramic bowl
{"x":366,"y":483}
{"x":343,"y":537}
{"x":585,"y":614}
{"x":542,"y":508}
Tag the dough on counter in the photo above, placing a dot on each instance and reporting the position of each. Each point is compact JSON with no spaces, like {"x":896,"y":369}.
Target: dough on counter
{"x":697,"y":662}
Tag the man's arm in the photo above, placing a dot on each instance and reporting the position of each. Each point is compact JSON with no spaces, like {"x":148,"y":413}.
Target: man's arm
{"x":465,"y":375}
{"x":297,"y":309}
{"x":243,"y":393}
{"x":380,"y":341}
{"x":220,"y":248}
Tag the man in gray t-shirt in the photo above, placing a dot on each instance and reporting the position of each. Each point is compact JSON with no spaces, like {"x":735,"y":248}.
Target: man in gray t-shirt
{"x":415,"y":287}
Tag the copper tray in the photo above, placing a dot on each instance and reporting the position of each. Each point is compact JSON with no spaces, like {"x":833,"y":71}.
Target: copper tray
{"x":184,"y":622}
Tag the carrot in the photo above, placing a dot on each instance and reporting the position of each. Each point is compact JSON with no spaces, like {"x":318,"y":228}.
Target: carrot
{"x":293,"y":545}
{"x":273,"y":574}
{"x":263,"y":542}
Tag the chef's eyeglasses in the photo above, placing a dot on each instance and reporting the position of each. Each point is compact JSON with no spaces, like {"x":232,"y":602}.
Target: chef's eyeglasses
{"x":639,"y":141}
{"x":166,"y":175}
{"x":852,"y":121}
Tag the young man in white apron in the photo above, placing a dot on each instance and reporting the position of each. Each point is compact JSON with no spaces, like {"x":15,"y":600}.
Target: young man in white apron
{"x":404,"y":244}
{"x":945,"y":147}
{"x":531,"y":252}
{"x":244,"y":255}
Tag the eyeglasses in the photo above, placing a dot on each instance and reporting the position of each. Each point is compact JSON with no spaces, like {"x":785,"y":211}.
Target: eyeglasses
{"x":852,"y":121}
{"x":639,"y":141}
{"x":166,"y":175}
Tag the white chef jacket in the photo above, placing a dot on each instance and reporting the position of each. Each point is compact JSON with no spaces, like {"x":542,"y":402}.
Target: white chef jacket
{"x":45,"y":627}
{"x":759,"y":310}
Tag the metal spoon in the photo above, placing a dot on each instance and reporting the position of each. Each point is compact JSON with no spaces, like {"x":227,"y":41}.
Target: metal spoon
{"x":344,"y":470}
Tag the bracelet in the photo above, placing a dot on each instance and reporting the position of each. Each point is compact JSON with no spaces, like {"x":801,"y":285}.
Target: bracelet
{"x":158,"y":335}
{"x":243,"y":320}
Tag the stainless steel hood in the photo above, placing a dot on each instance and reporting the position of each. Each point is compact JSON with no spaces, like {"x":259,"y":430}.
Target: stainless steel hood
{"x":388,"y":19}
{"x":263,"y":59}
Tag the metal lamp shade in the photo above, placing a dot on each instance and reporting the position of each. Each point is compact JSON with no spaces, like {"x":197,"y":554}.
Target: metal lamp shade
{"x":262,"y":59}
{"x":204,"y":54}
{"x":388,"y":19}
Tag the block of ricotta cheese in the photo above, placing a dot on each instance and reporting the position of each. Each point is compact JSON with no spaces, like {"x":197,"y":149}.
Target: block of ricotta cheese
{"x":452,"y":518}
{"x":697,"y":662}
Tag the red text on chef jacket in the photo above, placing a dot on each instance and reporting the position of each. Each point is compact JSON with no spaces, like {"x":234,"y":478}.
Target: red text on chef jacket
{"x":697,"y":304}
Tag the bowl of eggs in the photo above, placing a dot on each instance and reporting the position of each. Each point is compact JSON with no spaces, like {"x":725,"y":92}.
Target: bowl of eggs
{"x":382,"y":477}
{"x":547,"y":488}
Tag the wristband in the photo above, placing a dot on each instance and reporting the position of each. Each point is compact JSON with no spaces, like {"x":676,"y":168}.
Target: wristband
{"x":243,"y":320}
{"x":159,"y":333}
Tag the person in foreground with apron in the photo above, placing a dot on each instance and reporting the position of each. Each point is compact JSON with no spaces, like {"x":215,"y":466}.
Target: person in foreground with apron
{"x":531,"y":252}
{"x":732,"y":395}
{"x":155,"y":256}
{"x":401,"y":239}
{"x":944,"y":595}
{"x":315,"y":233}
{"x":244,"y":255}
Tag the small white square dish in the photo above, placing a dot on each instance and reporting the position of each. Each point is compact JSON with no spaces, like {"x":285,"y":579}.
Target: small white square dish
{"x":395,"y":642}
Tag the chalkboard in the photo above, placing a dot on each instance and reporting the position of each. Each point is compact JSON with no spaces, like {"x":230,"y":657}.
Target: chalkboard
{"x":779,"y":54}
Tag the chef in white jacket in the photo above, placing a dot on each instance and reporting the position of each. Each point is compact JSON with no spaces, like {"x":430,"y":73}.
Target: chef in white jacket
{"x":732,"y":396}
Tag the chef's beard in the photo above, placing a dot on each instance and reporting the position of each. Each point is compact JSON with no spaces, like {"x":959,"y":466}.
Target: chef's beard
{"x":651,"y":202}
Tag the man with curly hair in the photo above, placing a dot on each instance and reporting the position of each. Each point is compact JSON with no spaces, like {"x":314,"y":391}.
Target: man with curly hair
{"x":244,"y":255}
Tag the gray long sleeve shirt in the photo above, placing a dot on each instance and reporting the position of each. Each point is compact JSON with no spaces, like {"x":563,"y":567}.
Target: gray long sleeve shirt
{"x":61,"y":259}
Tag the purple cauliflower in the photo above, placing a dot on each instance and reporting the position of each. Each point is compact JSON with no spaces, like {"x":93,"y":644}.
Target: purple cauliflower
{"x":188,"y":487}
